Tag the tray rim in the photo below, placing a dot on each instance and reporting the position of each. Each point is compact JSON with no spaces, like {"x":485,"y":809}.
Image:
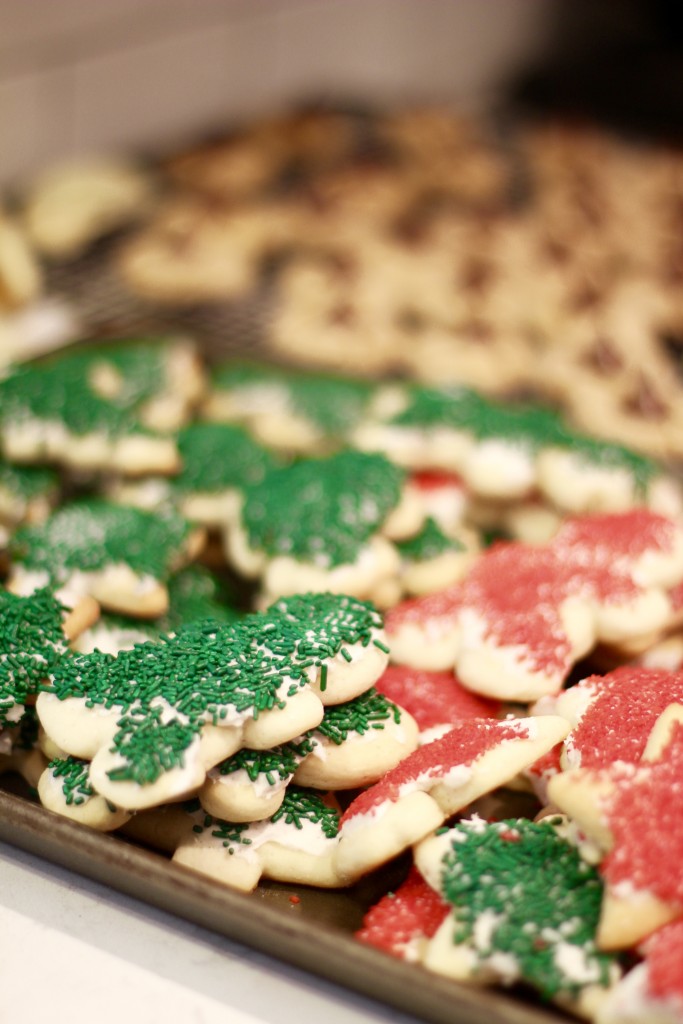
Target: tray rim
{"x":325,"y":951}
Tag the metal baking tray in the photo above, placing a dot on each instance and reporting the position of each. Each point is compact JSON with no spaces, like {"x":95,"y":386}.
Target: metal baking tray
{"x":313,"y":933}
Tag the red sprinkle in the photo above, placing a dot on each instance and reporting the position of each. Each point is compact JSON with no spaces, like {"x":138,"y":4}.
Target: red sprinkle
{"x":645,"y":817}
{"x":414,"y":911}
{"x":664,"y":955}
{"x":627,"y":703}
{"x":434,"y":698}
{"x":461,"y":746}
{"x":295,"y":899}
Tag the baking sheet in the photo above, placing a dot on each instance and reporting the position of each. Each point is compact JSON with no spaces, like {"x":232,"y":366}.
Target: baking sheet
{"x":314,"y":934}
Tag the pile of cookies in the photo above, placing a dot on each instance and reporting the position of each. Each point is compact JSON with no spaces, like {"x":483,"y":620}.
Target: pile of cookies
{"x":507,"y":255}
{"x":280,"y":625}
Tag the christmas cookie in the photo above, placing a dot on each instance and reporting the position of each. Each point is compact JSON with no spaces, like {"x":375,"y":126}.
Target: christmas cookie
{"x":27,"y":493}
{"x":194,"y":593}
{"x":630,"y":815}
{"x":154,"y":719}
{"x":19,"y":748}
{"x":402,"y":922}
{"x":525,"y":908}
{"x":324,"y":524}
{"x":218,"y":462}
{"x":72,"y":204}
{"x":434,"y":782}
{"x":251,"y":785}
{"x":64,"y":787}
{"x":121,"y":556}
{"x":631,"y":695}
{"x":433,"y":560}
{"x":101,"y":407}
{"x":653,"y":989}
{"x":287,"y":409}
{"x":525,"y":614}
{"x":357,"y":742}
{"x":296,"y":844}
{"x":34,"y":634}
{"x":436,"y":700}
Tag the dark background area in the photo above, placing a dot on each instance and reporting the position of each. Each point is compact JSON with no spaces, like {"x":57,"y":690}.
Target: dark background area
{"x":620,"y":61}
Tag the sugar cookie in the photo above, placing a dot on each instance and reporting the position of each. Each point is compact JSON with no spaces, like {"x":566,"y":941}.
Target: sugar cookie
{"x":64,"y":787}
{"x":102,"y":407}
{"x":434,"y":782}
{"x":525,"y":907}
{"x":121,"y":556}
{"x":322,"y":524}
{"x":402,"y":922}
{"x":296,"y":844}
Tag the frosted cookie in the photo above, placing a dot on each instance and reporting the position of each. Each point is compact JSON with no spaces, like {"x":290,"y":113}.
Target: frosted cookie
{"x":218,"y":462}
{"x":433,"y":560}
{"x":436,"y":781}
{"x":402,"y":922}
{"x":341,"y":638}
{"x":633,"y":696}
{"x":525,"y":908}
{"x":286,"y":409}
{"x":154,"y":719}
{"x":194,"y":593}
{"x":121,"y":556}
{"x":444,"y":497}
{"x":525,"y":614}
{"x":357,"y":742}
{"x":102,"y":407}
{"x":653,"y":989}
{"x":323,"y":524}
{"x":64,"y":787}
{"x":296,"y":844}
{"x":27,"y":493}
{"x":251,"y":785}
{"x":34,"y":633}
{"x":72,"y":204}
{"x":21,"y":278}
{"x":631,"y":817}
{"x":593,"y":476}
{"x":436,"y":700}
{"x":492,"y":447}
{"x":644,"y":543}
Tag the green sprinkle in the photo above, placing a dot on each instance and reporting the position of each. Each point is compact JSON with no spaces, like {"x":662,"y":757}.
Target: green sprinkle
{"x":32,"y":646}
{"x":537,"y":892}
{"x":372,"y":710}
{"x":322,"y":511}
{"x":430,"y":542}
{"x":150,"y":747}
{"x":74,"y":775}
{"x":90,"y":534}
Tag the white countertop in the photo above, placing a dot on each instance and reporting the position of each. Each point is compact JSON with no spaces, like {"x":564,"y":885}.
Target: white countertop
{"x":77,"y":952}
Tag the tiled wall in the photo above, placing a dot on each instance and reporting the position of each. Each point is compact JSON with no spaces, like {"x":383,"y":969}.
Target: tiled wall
{"x":78,"y":75}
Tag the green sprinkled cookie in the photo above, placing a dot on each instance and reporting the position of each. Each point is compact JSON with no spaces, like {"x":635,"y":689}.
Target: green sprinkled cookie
{"x":324,"y":524}
{"x":101,"y":406}
{"x":251,"y":785}
{"x":289,"y":409}
{"x":253,"y":683}
{"x":194,"y":594}
{"x":27,"y":493}
{"x":32,"y":645}
{"x":65,"y":788}
{"x":525,"y":908}
{"x":122,"y":556}
{"x":357,"y":743}
{"x":296,"y":844}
